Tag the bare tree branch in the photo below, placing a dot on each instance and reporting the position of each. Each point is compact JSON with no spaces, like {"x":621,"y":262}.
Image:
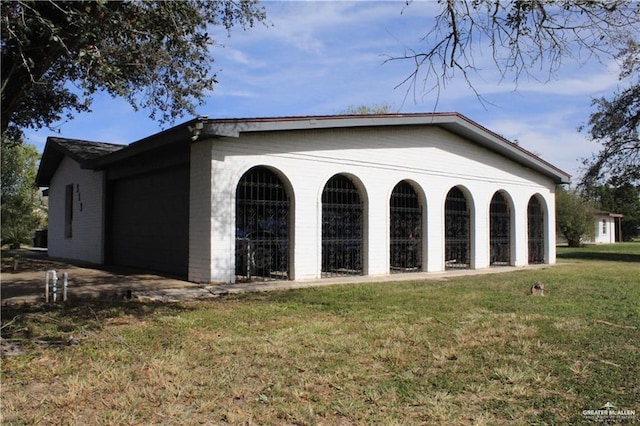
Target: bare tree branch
{"x":525,"y":37}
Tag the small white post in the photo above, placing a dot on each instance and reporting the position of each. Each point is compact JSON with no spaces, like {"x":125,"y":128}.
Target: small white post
{"x":55,"y":286}
{"x":54,"y":276}
{"x":64,"y":286}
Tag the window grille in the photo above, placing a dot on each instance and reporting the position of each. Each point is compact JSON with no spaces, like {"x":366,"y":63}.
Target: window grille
{"x":500,"y":231}
{"x":457,"y":222}
{"x":262,"y":226}
{"x":342,"y":224}
{"x":68,"y":211}
{"x":535,"y":218}
{"x":405,"y":229}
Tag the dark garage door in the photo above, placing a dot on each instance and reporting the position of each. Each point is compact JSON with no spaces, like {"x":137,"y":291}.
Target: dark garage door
{"x":150,"y":221}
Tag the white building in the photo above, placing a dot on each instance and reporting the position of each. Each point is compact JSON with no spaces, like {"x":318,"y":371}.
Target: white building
{"x":607,"y":227}
{"x":220,"y":200}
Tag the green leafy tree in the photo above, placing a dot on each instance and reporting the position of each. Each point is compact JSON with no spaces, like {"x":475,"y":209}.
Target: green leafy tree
{"x":616,"y":126}
{"x":574,"y":216}
{"x":623,"y":199}
{"x":155,"y":54}
{"x":20,"y":201}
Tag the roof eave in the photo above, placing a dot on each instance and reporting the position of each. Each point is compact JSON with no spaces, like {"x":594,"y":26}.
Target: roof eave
{"x":201,"y":128}
{"x":608,"y":214}
{"x":180,"y":133}
{"x":54,"y":152}
{"x":51,"y":158}
{"x":453,"y":122}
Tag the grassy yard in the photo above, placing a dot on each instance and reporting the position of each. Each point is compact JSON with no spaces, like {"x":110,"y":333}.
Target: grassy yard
{"x":470,"y":350}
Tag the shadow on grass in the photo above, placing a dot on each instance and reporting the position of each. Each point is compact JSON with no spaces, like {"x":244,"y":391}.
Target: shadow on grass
{"x":35,"y":321}
{"x":588,"y":254}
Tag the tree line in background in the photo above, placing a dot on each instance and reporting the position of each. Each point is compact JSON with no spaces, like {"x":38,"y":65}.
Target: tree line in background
{"x":21,"y":208}
{"x":576,"y":212}
{"x":57,"y":54}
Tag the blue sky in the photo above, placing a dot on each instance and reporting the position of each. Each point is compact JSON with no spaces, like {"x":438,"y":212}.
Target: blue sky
{"x":320,"y":57}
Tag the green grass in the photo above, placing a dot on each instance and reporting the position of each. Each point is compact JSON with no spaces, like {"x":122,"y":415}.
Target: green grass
{"x":471,"y":350}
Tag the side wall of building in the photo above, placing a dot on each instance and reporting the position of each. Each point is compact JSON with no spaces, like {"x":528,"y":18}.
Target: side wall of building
{"x":376,"y":159}
{"x":76,"y":225}
{"x":605,"y":230}
{"x":201,"y":214}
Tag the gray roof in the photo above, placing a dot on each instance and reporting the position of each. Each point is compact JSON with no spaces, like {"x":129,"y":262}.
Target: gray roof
{"x":604,"y":213}
{"x":98,"y":155}
{"x":84,"y":152}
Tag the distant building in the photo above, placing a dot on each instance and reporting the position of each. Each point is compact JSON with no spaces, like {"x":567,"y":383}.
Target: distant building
{"x":608,"y":227}
{"x":295,"y":198}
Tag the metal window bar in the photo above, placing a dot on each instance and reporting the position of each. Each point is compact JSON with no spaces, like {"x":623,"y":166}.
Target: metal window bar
{"x":535,"y":219}
{"x":342,"y":223}
{"x":262,"y":227}
{"x":405,"y":229}
{"x":500,"y":231}
{"x":457,"y":220}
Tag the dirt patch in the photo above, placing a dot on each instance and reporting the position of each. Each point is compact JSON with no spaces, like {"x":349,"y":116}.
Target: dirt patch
{"x":24,"y":275}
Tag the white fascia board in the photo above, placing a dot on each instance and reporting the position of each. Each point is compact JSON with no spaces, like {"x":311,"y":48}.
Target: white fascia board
{"x":233,"y":128}
{"x":453,"y":122}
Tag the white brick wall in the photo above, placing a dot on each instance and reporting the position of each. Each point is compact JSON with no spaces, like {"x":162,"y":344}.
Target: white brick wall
{"x":607,"y":235}
{"x":200,"y":214}
{"x":87,"y":241}
{"x":376,"y":159}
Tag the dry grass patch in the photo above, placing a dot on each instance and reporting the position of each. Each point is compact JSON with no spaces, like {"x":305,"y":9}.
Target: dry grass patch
{"x":473,"y":350}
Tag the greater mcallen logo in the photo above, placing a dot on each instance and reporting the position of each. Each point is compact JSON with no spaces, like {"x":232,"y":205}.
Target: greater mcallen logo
{"x":609,"y":411}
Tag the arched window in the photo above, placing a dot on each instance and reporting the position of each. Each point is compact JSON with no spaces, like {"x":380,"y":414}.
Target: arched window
{"x":405,"y":229}
{"x":535,"y":231}
{"x":342,"y":223}
{"x":457,"y":223}
{"x":500,"y":231}
{"x":262,"y":226}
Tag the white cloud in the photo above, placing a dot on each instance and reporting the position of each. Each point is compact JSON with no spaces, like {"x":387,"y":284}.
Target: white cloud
{"x":550,"y":135}
{"x":235,"y":56}
{"x":574,"y":83}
